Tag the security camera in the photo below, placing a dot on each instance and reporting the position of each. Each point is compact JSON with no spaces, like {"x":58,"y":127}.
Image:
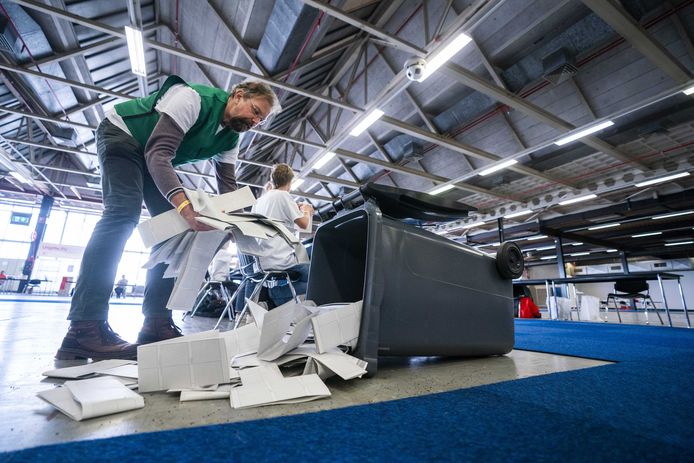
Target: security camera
{"x":415,"y":69}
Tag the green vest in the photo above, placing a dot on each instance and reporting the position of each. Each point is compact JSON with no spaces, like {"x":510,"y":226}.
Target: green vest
{"x":202,"y":141}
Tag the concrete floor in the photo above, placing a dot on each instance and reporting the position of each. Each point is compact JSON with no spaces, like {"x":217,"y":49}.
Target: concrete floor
{"x":31,"y":331}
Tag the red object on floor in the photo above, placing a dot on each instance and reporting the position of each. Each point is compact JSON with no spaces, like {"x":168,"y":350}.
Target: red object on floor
{"x":528,"y":309}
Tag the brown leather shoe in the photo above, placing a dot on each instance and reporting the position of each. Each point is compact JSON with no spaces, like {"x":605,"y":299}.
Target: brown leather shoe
{"x":158,"y":329}
{"x":96,"y":340}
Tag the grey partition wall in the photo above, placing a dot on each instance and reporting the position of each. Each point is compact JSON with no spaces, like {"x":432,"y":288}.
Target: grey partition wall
{"x":423,"y":294}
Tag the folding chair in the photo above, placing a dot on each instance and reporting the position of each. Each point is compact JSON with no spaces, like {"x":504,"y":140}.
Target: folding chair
{"x":209,"y":286}
{"x":253,"y":273}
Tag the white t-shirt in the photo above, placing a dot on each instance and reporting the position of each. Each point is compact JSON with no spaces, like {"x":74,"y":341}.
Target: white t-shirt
{"x":279,"y":205}
{"x":182,"y":104}
{"x":219,"y":269}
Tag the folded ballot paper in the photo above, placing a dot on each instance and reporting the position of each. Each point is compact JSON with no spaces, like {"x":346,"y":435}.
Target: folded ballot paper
{"x":125,"y":368}
{"x":186,"y":362}
{"x":89,"y":398}
{"x":265,"y":385}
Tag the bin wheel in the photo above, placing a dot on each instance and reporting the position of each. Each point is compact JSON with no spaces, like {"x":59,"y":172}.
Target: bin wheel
{"x":509,"y":260}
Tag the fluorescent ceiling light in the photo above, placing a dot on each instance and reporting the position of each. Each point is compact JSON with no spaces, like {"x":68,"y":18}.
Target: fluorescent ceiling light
{"x":296,"y":183}
{"x":579,"y":254}
{"x":471,"y":225}
{"x":583,"y":133}
{"x":688,"y":91}
{"x":548,"y":257}
{"x":518,"y":214}
{"x":372,"y":117}
{"x":503,"y":165}
{"x":577,"y":200}
{"x":646,"y":234}
{"x":532,"y":238}
{"x":662,"y":179}
{"x":545,"y":248}
{"x":136,"y":50}
{"x":600,"y":227}
{"x":448,"y":52}
{"x":667,"y":216}
{"x":441,"y":189}
{"x":612,"y":250}
{"x":680,"y":243}
{"x":576,"y":244}
{"x":19,"y":177}
{"x":324,"y":160}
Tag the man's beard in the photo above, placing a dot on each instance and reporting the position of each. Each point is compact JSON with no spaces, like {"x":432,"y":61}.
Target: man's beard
{"x":240,"y":124}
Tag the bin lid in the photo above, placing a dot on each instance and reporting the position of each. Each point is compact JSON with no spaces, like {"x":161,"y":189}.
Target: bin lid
{"x":400,"y":203}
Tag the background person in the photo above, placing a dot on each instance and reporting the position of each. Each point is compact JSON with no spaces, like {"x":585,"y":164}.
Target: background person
{"x":121,"y":287}
{"x":278,"y":204}
{"x":138,"y":145}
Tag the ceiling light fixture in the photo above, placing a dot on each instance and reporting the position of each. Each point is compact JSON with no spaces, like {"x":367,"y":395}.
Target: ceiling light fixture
{"x":20,"y":177}
{"x":689,"y":90}
{"x":646,"y":234}
{"x":612,"y":250}
{"x":324,"y":160}
{"x":472,"y":225}
{"x":545,"y":248}
{"x":577,"y":244}
{"x":667,"y":216}
{"x":548,"y":257}
{"x":441,"y":189}
{"x":662,"y":179}
{"x":448,"y":52}
{"x":577,"y":200}
{"x":680,"y":243}
{"x":503,"y":165}
{"x":600,"y":227}
{"x":576,"y":254}
{"x":136,"y":51}
{"x":372,"y":117}
{"x":518,"y":214}
{"x":532,"y":238}
{"x":583,"y":133}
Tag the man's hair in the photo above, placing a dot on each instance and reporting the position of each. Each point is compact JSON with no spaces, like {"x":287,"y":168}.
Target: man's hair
{"x":282,"y":175}
{"x":252,"y":89}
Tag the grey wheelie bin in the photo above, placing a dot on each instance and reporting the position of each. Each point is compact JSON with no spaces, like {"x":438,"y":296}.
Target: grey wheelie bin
{"x":423,"y":295}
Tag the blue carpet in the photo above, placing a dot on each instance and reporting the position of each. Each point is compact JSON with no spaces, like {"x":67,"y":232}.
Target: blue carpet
{"x":640,"y":409}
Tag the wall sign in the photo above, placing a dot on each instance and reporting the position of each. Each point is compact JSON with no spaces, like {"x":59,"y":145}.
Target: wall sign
{"x":20,"y":218}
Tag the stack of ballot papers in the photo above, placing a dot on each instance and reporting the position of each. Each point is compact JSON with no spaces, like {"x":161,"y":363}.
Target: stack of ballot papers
{"x":241,"y":365}
{"x":188,"y":253}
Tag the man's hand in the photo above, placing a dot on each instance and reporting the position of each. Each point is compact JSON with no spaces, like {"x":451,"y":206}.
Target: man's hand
{"x":189,"y":214}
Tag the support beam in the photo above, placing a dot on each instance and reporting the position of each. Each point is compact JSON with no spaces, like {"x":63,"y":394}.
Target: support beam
{"x":393,"y":41}
{"x":624,"y":24}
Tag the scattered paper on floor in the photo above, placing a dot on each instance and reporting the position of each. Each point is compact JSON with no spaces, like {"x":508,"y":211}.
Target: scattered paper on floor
{"x":183,"y":363}
{"x":92,"y":397}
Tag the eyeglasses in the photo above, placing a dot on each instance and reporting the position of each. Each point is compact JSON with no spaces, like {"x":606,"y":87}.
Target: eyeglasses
{"x":257,"y":114}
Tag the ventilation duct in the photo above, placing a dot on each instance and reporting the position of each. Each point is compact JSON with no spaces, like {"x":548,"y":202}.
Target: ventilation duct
{"x":559,"y":66}
{"x":8,"y":38}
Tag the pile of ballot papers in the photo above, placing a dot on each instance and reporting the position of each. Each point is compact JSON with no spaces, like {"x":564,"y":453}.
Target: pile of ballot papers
{"x":188,"y":253}
{"x":281,"y":356}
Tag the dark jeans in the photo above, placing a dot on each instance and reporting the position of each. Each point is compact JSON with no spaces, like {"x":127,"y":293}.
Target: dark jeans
{"x":283,"y":294}
{"x":125,"y":184}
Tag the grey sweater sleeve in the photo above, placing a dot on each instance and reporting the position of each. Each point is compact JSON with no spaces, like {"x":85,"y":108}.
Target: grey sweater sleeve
{"x":226,"y":176}
{"x":160,"y":151}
